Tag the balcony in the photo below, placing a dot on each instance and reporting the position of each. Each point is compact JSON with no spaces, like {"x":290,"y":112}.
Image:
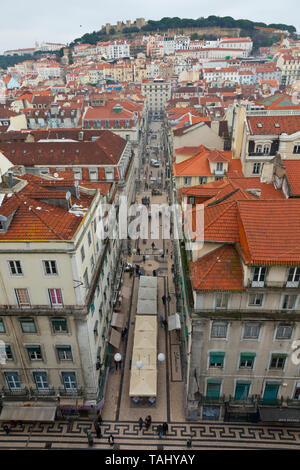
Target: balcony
{"x":270,"y":401}
{"x":70,"y":393}
{"x":47,"y":392}
{"x":21,"y":393}
{"x":206,"y":400}
{"x":257,"y":283}
{"x":249,"y":401}
{"x":260,"y":154}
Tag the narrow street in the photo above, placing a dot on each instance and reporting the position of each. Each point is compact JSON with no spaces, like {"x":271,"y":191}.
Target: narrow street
{"x":120,"y":415}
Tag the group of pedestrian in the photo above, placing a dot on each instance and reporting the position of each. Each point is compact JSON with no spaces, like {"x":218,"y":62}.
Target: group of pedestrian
{"x":147,"y":422}
{"x":162,"y":429}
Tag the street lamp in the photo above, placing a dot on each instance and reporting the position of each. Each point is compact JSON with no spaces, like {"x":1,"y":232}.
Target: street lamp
{"x":117,"y":357}
{"x":161,"y":357}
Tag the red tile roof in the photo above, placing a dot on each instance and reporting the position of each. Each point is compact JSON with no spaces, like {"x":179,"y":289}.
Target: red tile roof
{"x":292,"y":168}
{"x":270,"y":231}
{"x":33,"y":219}
{"x":287,"y":124}
{"x":218,"y":270}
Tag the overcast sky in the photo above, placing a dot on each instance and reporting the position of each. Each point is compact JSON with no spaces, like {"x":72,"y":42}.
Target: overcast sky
{"x":23,"y":22}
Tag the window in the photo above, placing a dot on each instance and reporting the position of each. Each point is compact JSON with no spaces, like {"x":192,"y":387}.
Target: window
{"x":219,"y":166}
{"x":109,"y":174}
{"x":92,"y":263}
{"x":50,"y":268}
{"x":64,"y":353}
{"x":256,"y":168}
{"x":2,"y":327}
{"x":219,"y":330}
{"x":202,"y":179}
{"x":86,"y":279}
{"x":284,"y":332}
{"x":13,"y":381}
{"x":77,"y":174}
{"x":216,"y":359}
{"x":222,"y":300}
{"x":82,"y":253}
{"x":277,"y":361}
{"x":89,"y":238}
{"x":297,"y":392}
{"x":259,"y":276}
{"x":41,"y":380}
{"x":59,"y":325}
{"x":15,"y":268}
{"x":251,"y":330}
{"x":296,"y":148}
{"x":241,"y":390}
{"x":93,"y":174}
{"x":23,"y":298}
{"x":187,"y":180}
{"x":255,"y":300}
{"x":55,"y":297}
{"x":8,"y":352}
{"x":96,"y":329}
{"x":247,"y":360}
{"x":213,"y":388}
{"x":34,"y":353}
{"x":28,"y":325}
{"x":289,"y":302}
{"x":259,"y":149}
{"x":266,"y":149}
{"x":293,"y":277}
{"x":69,"y":381}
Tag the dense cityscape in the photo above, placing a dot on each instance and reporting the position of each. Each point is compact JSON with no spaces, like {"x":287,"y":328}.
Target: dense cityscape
{"x":149,"y":279}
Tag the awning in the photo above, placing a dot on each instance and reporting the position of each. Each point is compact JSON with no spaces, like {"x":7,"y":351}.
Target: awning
{"x":283,"y":415}
{"x":145,"y":323}
{"x":143,"y":383}
{"x":174,"y":322}
{"x":148,"y":281}
{"x":117,"y":320}
{"x":115,"y":338}
{"x":28,"y":413}
{"x":146,"y":307}
{"x":147,"y":293}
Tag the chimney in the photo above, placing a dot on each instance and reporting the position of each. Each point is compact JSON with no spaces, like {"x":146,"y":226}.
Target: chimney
{"x":11,"y":180}
{"x":77,"y":190}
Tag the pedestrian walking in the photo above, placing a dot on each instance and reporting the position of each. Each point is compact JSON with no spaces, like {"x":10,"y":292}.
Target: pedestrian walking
{"x":141,"y":422}
{"x":111,"y":440}
{"x":165,"y":324}
{"x":148,"y":422}
{"x":159,"y":430}
{"x":169,"y":298}
{"x":164,"y":298}
{"x":144,"y":258}
{"x":138,"y":251}
{"x":153,"y":245}
{"x":99,"y":419}
{"x":6,"y":429}
{"x":124,"y":332}
{"x":165,"y":428}
{"x":98,"y":430}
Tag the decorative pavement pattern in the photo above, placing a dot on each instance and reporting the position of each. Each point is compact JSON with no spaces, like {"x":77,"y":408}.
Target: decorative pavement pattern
{"x":62,"y":435}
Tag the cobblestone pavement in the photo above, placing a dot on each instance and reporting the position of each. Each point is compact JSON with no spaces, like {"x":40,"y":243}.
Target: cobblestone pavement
{"x":127,"y":435}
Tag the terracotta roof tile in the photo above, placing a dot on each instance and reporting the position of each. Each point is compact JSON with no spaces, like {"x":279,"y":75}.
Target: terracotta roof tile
{"x":219,"y":270}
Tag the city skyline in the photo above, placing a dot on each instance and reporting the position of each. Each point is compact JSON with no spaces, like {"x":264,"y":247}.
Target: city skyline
{"x":73,"y":22}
